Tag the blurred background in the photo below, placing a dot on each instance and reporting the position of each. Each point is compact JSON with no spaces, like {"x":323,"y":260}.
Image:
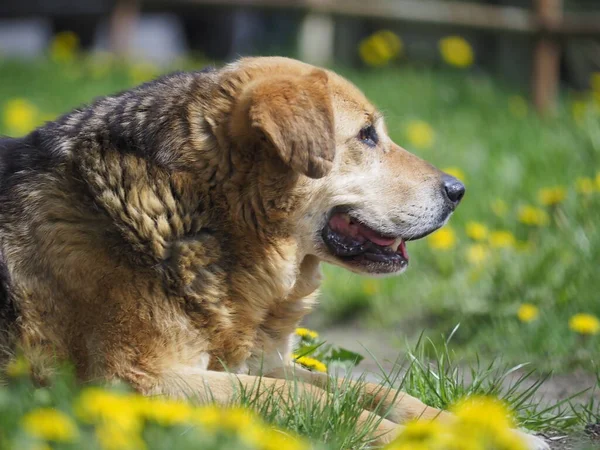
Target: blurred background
{"x":503,"y":94}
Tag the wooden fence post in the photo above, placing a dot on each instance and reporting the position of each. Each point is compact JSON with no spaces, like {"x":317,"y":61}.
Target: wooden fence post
{"x":316,"y":40}
{"x":546,"y":58}
{"x":121,"y":25}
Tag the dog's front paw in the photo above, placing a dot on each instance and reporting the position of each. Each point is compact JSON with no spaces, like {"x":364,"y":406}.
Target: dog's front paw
{"x":533,"y":442}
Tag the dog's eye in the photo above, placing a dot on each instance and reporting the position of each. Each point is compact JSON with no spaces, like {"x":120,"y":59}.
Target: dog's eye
{"x":368,"y":135}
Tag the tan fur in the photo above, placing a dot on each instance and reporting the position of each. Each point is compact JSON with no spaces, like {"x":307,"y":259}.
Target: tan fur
{"x":193,"y":249}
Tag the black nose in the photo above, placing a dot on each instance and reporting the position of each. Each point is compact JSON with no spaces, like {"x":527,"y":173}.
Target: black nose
{"x":454,"y":189}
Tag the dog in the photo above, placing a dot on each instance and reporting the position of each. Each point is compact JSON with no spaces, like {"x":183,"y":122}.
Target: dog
{"x":171,"y":236}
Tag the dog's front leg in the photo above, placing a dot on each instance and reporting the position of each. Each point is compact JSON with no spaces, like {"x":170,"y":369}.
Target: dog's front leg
{"x":394,"y":405}
{"x":224,"y":388}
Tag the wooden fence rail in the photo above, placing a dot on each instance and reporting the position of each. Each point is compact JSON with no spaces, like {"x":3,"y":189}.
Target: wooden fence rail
{"x":545,"y":21}
{"x":456,"y":13}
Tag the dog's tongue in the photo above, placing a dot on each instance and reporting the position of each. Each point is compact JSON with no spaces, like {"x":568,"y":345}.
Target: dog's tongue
{"x":375,"y":237}
{"x":358,"y":231}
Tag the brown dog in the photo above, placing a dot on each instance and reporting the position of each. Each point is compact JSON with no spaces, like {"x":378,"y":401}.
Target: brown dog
{"x":162,"y":234}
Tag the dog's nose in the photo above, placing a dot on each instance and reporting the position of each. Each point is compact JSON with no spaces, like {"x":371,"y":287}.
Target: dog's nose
{"x":454,"y":189}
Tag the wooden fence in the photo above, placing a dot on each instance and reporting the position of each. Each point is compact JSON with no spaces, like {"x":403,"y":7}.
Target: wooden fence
{"x":545,"y":21}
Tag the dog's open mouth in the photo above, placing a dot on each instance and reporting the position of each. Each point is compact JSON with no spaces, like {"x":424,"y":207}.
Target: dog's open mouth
{"x":360,"y":245}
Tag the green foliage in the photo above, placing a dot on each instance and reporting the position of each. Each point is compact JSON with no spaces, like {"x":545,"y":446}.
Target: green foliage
{"x":331,"y":355}
{"x":436,"y":376}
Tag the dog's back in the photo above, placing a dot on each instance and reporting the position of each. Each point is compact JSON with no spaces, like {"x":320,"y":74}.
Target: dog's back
{"x":75,"y":198}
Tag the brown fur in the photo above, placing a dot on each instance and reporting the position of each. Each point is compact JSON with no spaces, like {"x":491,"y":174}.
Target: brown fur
{"x":167,"y":233}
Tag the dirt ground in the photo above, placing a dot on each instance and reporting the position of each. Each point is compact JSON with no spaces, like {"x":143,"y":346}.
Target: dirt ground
{"x":384,"y":353}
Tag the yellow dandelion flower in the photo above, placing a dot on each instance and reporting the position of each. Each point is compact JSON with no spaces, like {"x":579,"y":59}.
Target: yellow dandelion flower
{"x":20,"y":116}
{"x":50,"y":424}
{"x":246,"y":425}
{"x":455,"y":172}
{"x":532,"y":216}
{"x":142,"y":72}
{"x":456,"y":51}
{"x":238,"y":420}
{"x":370,"y":287}
{"x":477,"y":253}
{"x":64,"y":47}
{"x":419,"y":134}
{"x":499,"y":207}
{"x":95,"y":405}
{"x":480,"y":422}
{"x":380,"y":48}
{"x":112,"y":437}
{"x":311,"y":363}
{"x":584,"y":324}
{"x":476,"y":231}
{"x":443,"y":239}
{"x":422,"y":434}
{"x":481,"y":411}
{"x":275,"y":439}
{"x":165,"y":412}
{"x":552,"y":196}
{"x":209,"y":417}
{"x":517,"y":106}
{"x":398,"y":445}
{"x":306,"y":333}
{"x":528,"y":312}
{"x":507,"y":439}
{"x":18,"y":367}
{"x":502,"y":239}
{"x":584,"y":185}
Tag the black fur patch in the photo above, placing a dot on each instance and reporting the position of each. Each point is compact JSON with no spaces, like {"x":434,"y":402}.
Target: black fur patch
{"x":19,"y":155}
{"x":8,"y":310}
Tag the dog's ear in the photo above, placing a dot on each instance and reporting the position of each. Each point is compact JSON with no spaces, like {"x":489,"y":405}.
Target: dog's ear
{"x":295,"y":115}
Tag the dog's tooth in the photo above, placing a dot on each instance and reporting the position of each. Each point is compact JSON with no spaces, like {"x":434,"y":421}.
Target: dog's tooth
{"x":396,"y":244}
{"x":346,"y":218}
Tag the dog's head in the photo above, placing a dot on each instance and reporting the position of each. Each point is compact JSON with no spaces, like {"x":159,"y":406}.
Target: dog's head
{"x":362,"y":196}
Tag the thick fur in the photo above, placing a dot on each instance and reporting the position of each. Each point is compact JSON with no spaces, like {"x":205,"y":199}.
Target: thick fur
{"x":170,"y":232}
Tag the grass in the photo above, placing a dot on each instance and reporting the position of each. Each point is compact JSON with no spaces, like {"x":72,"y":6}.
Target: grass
{"x":329,"y":425}
{"x":332,"y":423}
{"x":506,"y":153}
{"x":441,"y":382}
